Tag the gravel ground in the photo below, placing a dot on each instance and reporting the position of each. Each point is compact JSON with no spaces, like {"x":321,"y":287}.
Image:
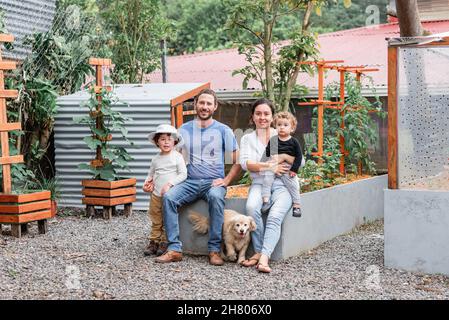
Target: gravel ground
{"x":82,"y":258}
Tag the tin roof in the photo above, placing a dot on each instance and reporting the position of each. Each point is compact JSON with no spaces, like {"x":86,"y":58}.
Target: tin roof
{"x":149,"y":93}
{"x":361,"y":46}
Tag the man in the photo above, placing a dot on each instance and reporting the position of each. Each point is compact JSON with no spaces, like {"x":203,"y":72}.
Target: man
{"x":207,"y":143}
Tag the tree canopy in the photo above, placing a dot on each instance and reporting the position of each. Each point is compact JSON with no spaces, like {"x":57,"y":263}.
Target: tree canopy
{"x":200,"y":24}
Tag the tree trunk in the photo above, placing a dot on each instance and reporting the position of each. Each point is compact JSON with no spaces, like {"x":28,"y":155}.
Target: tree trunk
{"x":267,"y":54}
{"x":292,"y":80}
{"x":408,"y":16}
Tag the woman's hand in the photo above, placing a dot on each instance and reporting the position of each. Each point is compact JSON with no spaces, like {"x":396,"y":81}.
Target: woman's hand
{"x":165,"y":188}
{"x":148,"y":186}
{"x":280,"y":169}
{"x":283,"y":157}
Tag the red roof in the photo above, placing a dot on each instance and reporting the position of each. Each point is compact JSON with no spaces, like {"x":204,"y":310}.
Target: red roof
{"x":360,"y":46}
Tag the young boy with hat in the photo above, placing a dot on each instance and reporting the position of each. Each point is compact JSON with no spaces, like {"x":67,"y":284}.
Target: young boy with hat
{"x":167,"y":169}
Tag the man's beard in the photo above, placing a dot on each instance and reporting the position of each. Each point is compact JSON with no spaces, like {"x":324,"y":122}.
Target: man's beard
{"x":205,"y":118}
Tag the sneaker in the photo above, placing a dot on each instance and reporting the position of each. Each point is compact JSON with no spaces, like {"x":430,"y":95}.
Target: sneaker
{"x":297,"y":212}
{"x":151,"y":249}
{"x":266,"y":207}
{"x":163,"y":246}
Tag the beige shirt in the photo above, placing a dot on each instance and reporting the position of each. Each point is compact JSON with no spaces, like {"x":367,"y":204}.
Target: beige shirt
{"x":167,"y":168}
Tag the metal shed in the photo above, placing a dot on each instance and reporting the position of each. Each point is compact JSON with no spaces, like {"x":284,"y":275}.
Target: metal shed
{"x":25,"y":17}
{"x":149,"y":106}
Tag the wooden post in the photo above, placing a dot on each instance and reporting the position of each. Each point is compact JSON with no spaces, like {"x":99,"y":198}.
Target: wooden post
{"x":107,"y":212}
{"x":99,"y":119}
{"x":6,"y":168}
{"x":320,"y":111}
{"x":128,"y":209}
{"x":16,"y":230}
{"x":358,"y":77}
{"x":392,"y":118}
{"x":43,"y":226}
{"x":90,"y":210}
{"x":179,"y":115}
{"x":99,"y":63}
{"x":24,"y":227}
{"x":342,"y":125}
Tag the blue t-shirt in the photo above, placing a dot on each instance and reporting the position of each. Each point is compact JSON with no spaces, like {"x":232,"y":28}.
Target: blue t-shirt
{"x":207,"y":149}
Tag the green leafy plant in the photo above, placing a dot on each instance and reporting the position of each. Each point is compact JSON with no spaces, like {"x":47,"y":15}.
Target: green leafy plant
{"x":360,"y":131}
{"x":50,"y":184}
{"x":246,"y":179}
{"x":136,"y":28}
{"x":57,"y":65}
{"x":274,"y":65}
{"x":112,"y":157}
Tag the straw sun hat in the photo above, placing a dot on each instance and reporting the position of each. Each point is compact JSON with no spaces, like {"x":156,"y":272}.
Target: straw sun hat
{"x":166,"y":128}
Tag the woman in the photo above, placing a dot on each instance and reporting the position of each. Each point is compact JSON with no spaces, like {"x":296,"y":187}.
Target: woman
{"x":252,"y":148}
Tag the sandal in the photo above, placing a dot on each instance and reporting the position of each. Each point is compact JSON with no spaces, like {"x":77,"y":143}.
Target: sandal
{"x":250,"y":262}
{"x":265,"y":268}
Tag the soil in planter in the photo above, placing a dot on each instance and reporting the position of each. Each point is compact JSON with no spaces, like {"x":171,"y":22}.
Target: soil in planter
{"x":241,"y":191}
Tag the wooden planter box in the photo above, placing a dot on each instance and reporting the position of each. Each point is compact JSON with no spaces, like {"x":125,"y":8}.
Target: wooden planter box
{"x":109,"y":194}
{"x":19,"y":209}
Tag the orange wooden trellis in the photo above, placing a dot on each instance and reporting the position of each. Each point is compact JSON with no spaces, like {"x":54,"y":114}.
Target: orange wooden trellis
{"x":99,"y":85}
{"x":338,"y":105}
{"x":320,"y":102}
{"x":6,"y":160}
{"x":17,"y":209}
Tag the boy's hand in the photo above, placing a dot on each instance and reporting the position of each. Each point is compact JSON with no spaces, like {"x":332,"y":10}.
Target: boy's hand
{"x":165,"y":188}
{"x":148,"y":186}
{"x":292,"y":174}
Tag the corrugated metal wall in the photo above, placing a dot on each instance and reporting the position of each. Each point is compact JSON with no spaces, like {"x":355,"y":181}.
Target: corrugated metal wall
{"x":149,"y":106}
{"x":71,"y":150}
{"x":25,"y":17}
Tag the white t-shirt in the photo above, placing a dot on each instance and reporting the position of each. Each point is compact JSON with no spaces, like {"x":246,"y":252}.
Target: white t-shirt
{"x":251,"y":148}
{"x":167,"y":168}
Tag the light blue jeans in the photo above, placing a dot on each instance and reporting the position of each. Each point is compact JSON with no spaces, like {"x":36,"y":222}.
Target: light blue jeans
{"x":189,"y":191}
{"x":264,"y":239}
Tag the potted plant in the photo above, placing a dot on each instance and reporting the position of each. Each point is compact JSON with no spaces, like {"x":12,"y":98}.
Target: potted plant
{"x":106,"y":188}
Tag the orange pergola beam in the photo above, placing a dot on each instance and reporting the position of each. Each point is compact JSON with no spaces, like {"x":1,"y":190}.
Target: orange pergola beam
{"x":321,"y":62}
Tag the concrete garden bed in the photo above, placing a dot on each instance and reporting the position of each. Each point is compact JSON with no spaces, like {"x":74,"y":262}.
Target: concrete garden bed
{"x":417,"y":230}
{"x":327,"y":213}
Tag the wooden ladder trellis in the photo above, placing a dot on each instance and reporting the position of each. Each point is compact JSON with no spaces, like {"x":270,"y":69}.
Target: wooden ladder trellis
{"x":16,"y":209}
{"x":6,"y":160}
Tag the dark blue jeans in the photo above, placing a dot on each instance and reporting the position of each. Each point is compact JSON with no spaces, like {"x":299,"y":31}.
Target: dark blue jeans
{"x":189,"y":191}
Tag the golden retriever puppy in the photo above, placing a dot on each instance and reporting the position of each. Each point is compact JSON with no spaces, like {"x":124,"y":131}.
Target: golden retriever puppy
{"x":236,"y":232}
